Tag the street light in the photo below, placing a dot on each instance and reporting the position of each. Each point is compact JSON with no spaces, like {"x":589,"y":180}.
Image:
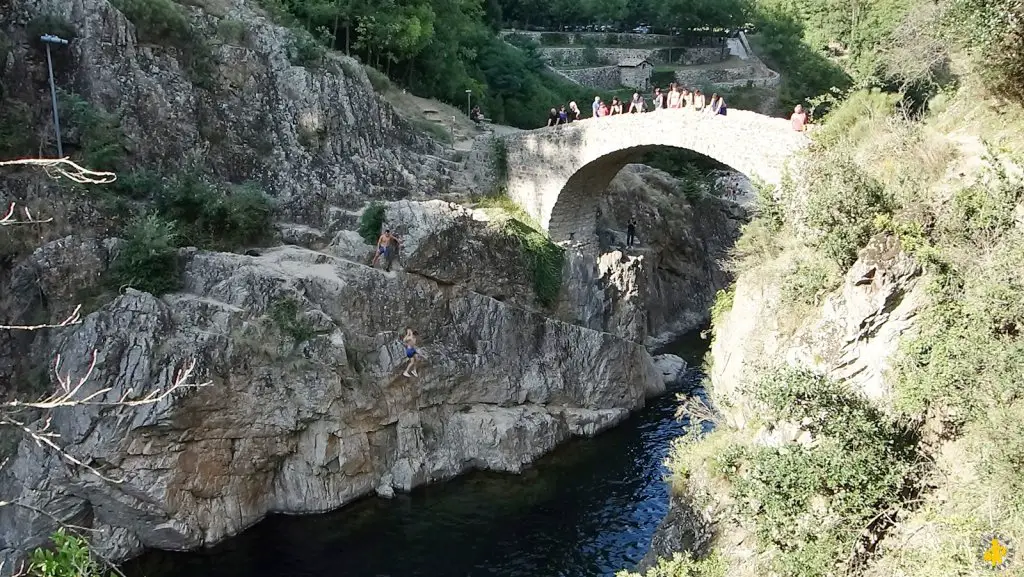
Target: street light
{"x":49,"y":39}
{"x":469,"y":96}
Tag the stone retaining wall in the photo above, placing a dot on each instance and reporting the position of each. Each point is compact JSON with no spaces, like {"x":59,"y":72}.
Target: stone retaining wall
{"x":568,"y":56}
{"x":753,"y":75}
{"x":606,"y":77}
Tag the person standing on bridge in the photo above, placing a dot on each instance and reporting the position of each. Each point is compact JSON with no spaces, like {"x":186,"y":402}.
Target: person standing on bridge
{"x":630,"y":232}
{"x":574,"y":112}
{"x":799,"y":119}
{"x":717,"y":105}
{"x":658,"y":102}
{"x":637,"y":104}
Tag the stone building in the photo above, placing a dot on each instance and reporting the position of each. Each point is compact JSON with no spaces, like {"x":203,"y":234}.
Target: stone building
{"x":636,"y":73}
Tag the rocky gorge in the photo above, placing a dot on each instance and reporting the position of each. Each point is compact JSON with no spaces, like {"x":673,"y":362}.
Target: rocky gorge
{"x":305,"y":408}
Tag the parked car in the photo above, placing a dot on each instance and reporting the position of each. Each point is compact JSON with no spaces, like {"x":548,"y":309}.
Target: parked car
{"x":642,"y":29}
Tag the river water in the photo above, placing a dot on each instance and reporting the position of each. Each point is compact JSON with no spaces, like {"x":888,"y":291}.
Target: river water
{"x":588,"y":509}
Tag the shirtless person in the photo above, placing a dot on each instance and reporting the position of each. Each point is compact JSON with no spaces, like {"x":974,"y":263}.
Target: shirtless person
{"x":383,"y":246}
{"x":409,"y":341}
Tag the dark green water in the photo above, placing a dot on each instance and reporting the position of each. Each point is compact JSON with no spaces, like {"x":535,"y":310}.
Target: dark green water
{"x":586,"y":510}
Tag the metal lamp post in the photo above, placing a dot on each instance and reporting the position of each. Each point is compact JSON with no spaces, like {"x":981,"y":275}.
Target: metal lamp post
{"x":469,"y":97}
{"x":49,"y":39}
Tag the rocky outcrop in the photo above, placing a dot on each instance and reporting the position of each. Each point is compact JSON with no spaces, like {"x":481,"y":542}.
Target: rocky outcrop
{"x":665,"y":285}
{"x":316,"y":138}
{"x":307,"y":409}
{"x":851,"y":336}
{"x":684,"y":528}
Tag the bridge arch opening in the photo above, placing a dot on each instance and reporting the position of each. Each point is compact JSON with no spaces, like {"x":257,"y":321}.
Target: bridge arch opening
{"x":574,"y":215}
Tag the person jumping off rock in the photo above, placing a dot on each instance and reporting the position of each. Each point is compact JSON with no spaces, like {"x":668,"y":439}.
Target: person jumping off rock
{"x":409,"y":341}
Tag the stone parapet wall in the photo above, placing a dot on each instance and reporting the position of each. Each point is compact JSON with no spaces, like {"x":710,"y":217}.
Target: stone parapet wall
{"x":568,"y":56}
{"x":604,"y":38}
{"x":690,"y":56}
{"x":607,"y":77}
{"x":556,"y":173}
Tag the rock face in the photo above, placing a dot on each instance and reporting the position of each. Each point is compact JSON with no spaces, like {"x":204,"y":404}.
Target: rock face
{"x":684,"y":528}
{"x":663,"y":286}
{"x":852,"y":336}
{"x":307,"y":408}
{"x":317,"y":139}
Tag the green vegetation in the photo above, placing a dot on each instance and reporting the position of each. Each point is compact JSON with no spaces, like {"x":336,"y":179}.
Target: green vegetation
{"x":684,"y":565}
{"x":214,"y":219}
{"x":50,"y":24}
{"x":545,"y":259}
{"x":100,"y":139}
{"x":288,"y":318}
{"x":148,"y":259}
{"x":371,"y":222}
{"x":233,"y":31}
{"x":69,"y":557}
{"x":947,"y":453}
{"x":724,"y":299}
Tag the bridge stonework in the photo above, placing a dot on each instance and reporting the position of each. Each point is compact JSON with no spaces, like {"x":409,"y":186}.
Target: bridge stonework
{"x":556,"y":174}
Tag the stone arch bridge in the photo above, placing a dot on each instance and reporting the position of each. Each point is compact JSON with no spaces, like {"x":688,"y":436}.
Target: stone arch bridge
{"x":557,"y":173}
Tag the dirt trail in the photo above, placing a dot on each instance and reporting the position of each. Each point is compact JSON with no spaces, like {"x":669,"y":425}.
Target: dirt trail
{"x":424,"y":112}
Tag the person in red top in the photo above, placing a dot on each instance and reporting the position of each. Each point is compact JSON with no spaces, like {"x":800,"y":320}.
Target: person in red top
{"x":799,"y":119}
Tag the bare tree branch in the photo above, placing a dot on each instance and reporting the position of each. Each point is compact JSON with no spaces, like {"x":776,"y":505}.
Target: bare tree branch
{"x":64,"y":167}
{"x":68,"y":395}
{"x":73,"y":319}
{"x":10,"y":218}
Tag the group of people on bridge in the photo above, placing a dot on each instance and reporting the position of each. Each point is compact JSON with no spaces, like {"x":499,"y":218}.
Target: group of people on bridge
{"x":675,"y":97}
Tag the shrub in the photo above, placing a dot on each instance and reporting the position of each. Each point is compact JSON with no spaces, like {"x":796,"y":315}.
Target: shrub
{"x":724,"y":299}
{"x":591,"y":56}
{"x":842,"y":206}
{"x":305,"y":49}
{"x":812,"y":503}
{"x":208,"y":218}
{"x":684,"y":565}
{"x":545,"y":260}
{"x":101,"y":140}
{"x":499,"y":156}
{"x":148,"y":260}
{"x":378,"y":79}
{"x":991,"y":32}
{"x":812,"y":279}
{"x":233,"y":31}
{"x":289,"y":319}
{"x":861,"y":112}
{"x":69,"y":557}
{"x":50,"y":24}
{"x":157,"y":21}
{"x":433,"y":129}
{"x":371,"y":222}
{"x":16,"y":139}
{"x":247,"y":216}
